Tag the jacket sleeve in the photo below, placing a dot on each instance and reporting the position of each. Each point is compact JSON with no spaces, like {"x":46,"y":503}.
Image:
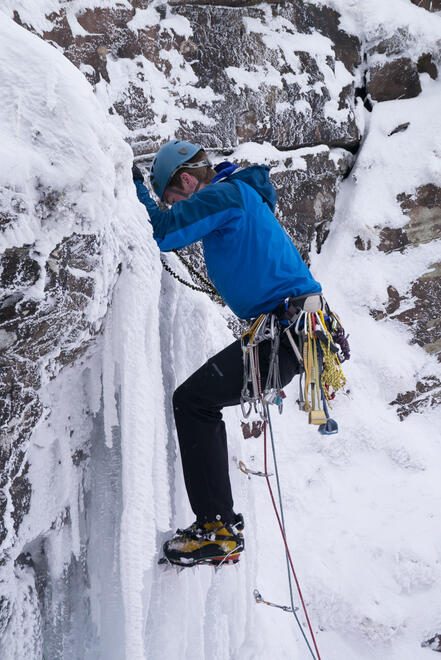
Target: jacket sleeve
{"x":190,"y":220}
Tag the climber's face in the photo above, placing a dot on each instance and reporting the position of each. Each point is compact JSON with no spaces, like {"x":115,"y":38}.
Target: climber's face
{"x":188,"y":185}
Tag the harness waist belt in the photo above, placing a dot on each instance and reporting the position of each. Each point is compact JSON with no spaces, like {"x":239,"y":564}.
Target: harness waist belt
{"x":290,"y":307}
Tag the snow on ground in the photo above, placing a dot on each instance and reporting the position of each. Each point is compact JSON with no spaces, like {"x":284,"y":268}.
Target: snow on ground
{"x":362,"y":508}
{"x":374,"y":19}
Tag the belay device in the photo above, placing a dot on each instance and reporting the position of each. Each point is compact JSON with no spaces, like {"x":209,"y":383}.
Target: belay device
{"x":320,"y":344}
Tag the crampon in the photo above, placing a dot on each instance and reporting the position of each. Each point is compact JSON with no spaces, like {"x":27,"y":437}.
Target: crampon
{"x":206,"y":544}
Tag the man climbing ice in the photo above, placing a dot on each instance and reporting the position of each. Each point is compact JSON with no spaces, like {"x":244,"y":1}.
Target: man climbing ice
{"x":255,"y":267}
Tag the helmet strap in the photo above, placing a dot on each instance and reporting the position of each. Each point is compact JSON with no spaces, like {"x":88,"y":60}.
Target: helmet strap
{"x":179,"y":191}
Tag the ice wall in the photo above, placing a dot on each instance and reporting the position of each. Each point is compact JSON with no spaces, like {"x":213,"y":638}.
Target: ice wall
{"x":81,"y":281}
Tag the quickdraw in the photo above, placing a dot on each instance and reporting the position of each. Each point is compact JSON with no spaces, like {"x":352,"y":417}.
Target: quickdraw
{"x":258,"y":598}
{"x":243,"y":468}
{"x":252,"y":395}
{"x":316,"y":333}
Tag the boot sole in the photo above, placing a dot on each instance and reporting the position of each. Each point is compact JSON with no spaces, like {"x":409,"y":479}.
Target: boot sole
{"x":207,"y":561}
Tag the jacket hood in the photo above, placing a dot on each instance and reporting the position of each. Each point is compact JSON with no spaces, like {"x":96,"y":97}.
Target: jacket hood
{"x":257,"y":176}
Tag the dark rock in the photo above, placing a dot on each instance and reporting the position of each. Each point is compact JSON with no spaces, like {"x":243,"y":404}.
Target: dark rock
{"x":393,"y":239}
{"x":20,"y":492}
{"x":426,"y":64}
{"x":307,"y":199}
{"x":238,"y":113}
{"x":18,"y":269}
{"x":266,"y":114}
{"x":430,"y":5}
{"x":61,"y":34}
{"x":106,"y":21}
{"x":424,"y":211}
{"x":425,"y":316}
{"x":395,"y":44}
{"x":307,"y":17}
{"x":362,"y":244}
{"x":424,"y":226}
{"x":326,"y":21}
{"x":39,"y":335}
{"x":394,"y":300}
{"x":400,"y":129}
{"x":427,"y":394}
{"x":79,"y":456}
{"x":7,"y":306}
{"x":397,"y":79}
{"x":5,"y":613}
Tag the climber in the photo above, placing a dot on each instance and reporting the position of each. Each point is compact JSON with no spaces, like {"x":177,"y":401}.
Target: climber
{"x":254,"y":266}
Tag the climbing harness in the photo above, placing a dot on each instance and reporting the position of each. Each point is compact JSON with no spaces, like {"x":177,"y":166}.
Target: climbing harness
{"x":320,"y":344}
{"x":209,"y":288}
{"x":318,"y":340}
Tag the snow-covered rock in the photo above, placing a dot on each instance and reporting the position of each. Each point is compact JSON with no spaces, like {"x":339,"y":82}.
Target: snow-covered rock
{"x":71,"y":228}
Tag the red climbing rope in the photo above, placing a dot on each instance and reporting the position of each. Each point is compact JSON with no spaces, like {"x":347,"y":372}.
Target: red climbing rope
{"x":282,"y":531}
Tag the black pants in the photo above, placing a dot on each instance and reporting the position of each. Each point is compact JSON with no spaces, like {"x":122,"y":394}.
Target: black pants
{"x":197,"y":405}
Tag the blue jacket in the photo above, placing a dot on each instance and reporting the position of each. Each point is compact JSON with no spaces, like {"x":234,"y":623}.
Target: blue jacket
{"x":249,"y":257}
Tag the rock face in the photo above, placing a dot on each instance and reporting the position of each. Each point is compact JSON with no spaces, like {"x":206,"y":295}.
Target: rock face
{"x":307,"y":196}
{"x":398,"y":79}
{"x":282,"y":73}
{"x":434,"y":643}
{"x":424,"y":226}
{"x":421,"y":302}
{"x":60,"y":256}
{"x":430,"y":5}
{"x":29,"y":330}
{"x":427,"y":395}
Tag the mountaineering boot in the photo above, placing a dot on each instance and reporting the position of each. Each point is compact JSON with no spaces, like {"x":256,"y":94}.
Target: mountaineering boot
{"x":213,"y":543}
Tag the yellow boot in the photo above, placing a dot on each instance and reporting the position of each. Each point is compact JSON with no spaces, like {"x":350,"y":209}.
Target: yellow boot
{"x":206,"y":543}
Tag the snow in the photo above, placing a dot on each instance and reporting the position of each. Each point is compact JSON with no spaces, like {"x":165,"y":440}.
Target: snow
{"x":261,"y":75}
{"x":374,"y":19}
{"x":278,"y":33}
{"x":64,"y":142}
{"x":362,"y":508}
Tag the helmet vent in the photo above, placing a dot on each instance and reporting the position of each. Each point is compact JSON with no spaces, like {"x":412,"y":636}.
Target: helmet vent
{"x":182,"y":151}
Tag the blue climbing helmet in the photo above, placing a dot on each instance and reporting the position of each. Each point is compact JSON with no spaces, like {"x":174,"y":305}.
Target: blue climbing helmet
{"x":171,"y":157}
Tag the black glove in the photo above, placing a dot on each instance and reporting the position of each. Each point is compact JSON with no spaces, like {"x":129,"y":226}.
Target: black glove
{"x":137,"y":174}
